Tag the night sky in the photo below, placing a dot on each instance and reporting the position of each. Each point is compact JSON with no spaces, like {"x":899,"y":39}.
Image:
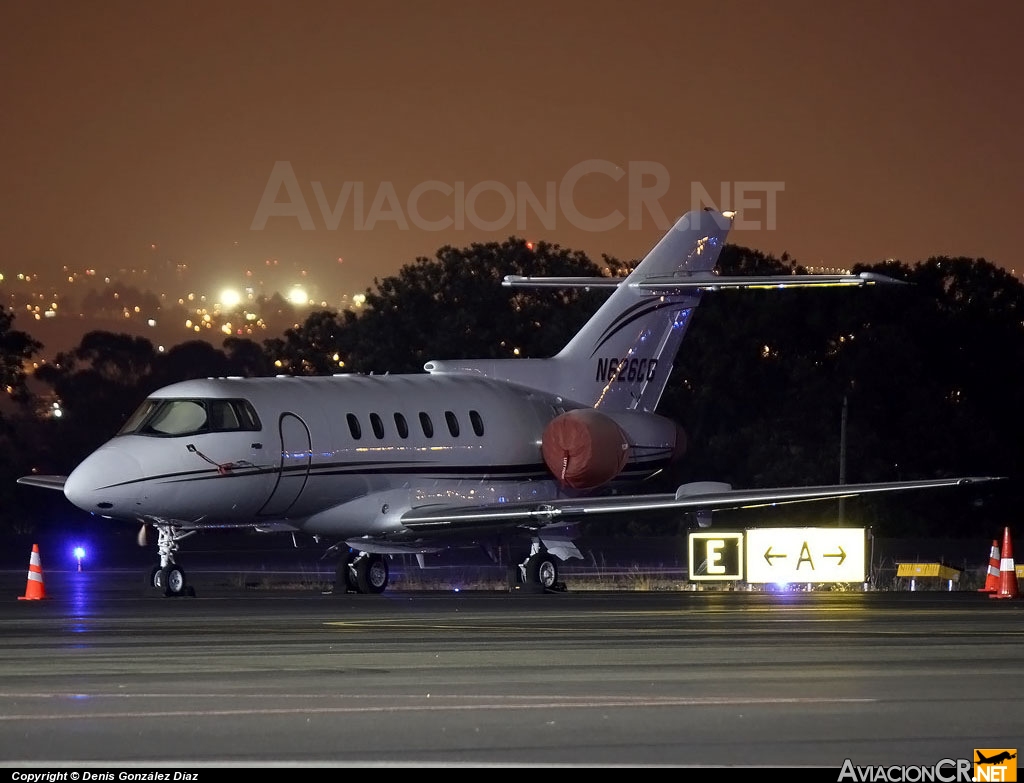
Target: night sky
{"x":889,"y":129}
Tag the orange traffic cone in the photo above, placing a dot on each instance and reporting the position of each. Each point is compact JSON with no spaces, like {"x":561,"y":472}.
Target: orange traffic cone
{"x":1007,"y":571}
{"x":992,"y":575}
{"x":34,"y":589}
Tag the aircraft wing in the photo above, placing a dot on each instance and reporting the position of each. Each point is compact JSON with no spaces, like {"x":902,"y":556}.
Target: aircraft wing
{"x":46,"y":482}
{"x":698,"y":497}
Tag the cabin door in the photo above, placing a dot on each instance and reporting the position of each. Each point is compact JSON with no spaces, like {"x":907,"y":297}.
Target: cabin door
{"x":296,"y":457}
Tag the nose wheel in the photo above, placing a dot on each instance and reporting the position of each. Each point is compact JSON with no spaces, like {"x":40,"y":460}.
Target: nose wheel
{"x":168,"y":577}
{"x":170,"y":580}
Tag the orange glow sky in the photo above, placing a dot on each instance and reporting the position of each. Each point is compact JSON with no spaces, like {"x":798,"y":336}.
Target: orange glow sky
{"x":893,"y":128}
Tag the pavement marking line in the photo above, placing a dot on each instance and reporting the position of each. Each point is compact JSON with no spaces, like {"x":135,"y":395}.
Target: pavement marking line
{"x":548,"y":704}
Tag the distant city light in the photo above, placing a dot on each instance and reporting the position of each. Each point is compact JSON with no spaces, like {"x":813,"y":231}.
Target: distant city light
{"x":298,"y":296}
{"x":229,"y":297}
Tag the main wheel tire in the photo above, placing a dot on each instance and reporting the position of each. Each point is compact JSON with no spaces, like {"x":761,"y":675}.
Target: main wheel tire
{"x":344,"y":579}
{"x":372,"y":574}
{"x":542,"y":569}
{"x":156,"y":578}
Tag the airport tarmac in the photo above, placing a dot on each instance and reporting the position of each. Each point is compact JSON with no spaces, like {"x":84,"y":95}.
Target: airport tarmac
{"x":103,"y":672}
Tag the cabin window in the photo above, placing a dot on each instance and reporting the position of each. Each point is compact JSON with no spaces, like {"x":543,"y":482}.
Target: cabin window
{"x":427,"y":425}
{"x":453,"y":423}
{"x":401,"y":425}
{"x":378,"y":425}
{"x":353,"y":426}
{"x":187,"y":417}
{"x":477,"y":422}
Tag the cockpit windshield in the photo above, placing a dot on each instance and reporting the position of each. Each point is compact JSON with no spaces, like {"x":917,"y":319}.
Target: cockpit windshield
{"x":167,"y":418}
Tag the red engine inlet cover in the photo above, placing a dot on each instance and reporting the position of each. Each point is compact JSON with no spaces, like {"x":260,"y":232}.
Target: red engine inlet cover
{"x":584,"y":448}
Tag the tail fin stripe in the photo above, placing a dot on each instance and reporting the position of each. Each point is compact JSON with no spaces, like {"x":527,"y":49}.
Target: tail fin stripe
{"x":627,"y":317}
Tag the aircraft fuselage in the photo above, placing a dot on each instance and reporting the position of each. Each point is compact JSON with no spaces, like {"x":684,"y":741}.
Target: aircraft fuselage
{"x":334,"y":455}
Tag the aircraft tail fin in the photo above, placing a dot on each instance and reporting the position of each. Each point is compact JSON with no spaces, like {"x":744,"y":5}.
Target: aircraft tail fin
{"x":622,"y":357}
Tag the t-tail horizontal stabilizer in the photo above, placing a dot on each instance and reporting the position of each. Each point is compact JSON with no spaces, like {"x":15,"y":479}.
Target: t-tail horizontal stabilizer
{"x":706,"y":281}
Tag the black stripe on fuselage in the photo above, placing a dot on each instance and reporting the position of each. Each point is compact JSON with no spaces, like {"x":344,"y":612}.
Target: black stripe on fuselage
{"x":532,"y":471}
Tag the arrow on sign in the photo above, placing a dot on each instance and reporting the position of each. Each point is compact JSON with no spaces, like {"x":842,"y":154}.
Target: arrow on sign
{"x":768,"y":555}
{"x":841,"y":556}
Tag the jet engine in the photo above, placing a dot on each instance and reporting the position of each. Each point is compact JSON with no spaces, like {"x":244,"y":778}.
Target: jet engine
{"x":585,"y":448}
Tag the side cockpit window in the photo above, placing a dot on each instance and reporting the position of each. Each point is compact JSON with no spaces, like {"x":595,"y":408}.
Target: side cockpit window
{"x":141,"y":414}
{"x":187,"y":417}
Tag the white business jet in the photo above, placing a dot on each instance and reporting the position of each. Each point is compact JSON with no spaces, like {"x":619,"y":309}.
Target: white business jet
{"x":413,"y":464}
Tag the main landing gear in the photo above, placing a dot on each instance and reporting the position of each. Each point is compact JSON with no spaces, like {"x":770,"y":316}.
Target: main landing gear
{"x":168,"y":577}
{"x":540,"y":570}
{"x":361,"y":572}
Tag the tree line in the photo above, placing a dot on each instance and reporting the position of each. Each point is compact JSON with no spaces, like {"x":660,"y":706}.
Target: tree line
{"x":773,"y":388}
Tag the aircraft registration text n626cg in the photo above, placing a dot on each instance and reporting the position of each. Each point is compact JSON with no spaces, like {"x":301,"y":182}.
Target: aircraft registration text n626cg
{"x":510,"y":453}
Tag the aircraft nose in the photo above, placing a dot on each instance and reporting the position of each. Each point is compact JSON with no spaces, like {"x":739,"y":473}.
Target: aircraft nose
{"x":104,"y":482}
